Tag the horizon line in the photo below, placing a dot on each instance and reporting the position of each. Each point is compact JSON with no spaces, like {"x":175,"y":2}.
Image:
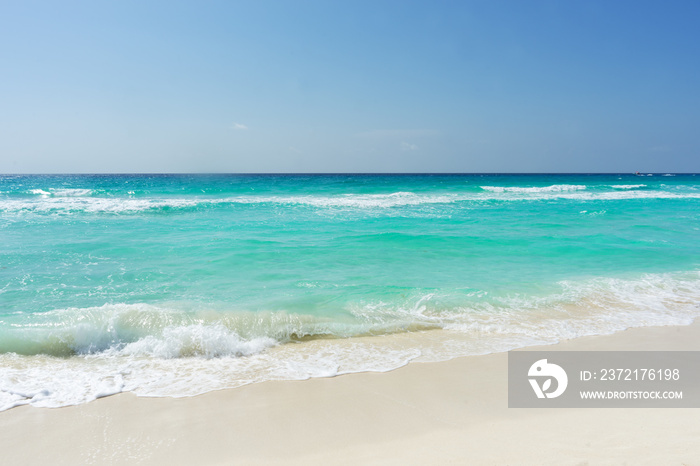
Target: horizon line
{"x":337,"y":173}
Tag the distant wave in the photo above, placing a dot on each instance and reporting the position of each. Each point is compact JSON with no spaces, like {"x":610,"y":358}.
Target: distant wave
{"x":628,"y":186}
{"x":629,"y":194}
{"x":543,"y":189}
{"x":64,"y":192}
{"x":126,"y":205}
{"x":86,"y":201}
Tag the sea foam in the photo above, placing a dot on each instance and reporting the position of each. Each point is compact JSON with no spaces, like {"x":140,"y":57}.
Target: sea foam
{"x":174,"y":353}
{"x":536,"y":189}
{"x":120,"y":205}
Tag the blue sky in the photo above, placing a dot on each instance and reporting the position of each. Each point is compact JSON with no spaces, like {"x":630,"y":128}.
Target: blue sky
{"x":381,"y":86}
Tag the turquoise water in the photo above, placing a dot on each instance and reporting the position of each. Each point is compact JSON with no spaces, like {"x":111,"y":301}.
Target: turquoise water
{"x":221,"y":280}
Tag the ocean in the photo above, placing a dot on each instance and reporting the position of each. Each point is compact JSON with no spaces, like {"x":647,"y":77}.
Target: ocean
{"x":175,"y":285}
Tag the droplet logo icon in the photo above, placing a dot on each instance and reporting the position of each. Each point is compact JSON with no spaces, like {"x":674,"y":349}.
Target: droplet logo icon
{"x":543,"y":371}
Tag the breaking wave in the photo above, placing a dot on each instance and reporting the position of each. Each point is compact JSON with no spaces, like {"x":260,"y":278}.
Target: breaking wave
{"x":543,"y":189}
{"x":75,"y":355}
{"x":76,"y":202}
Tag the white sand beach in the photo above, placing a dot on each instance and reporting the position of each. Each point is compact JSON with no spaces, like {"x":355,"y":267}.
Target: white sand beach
{"x":452,"y":412}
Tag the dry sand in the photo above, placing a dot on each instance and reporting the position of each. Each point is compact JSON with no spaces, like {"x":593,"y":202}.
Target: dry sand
{"x":452,"y":412}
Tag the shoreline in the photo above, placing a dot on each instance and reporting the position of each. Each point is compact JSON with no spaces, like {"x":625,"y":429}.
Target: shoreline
{"x":452,"y":411}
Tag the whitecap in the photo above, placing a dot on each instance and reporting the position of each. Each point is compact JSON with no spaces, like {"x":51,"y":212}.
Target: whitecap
{"x":534,"y":189}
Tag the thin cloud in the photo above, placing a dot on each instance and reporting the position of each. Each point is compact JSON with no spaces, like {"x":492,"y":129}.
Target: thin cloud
{"x":398,"y":133}
{"x":240,"y":127}
{"x":407,"y":146}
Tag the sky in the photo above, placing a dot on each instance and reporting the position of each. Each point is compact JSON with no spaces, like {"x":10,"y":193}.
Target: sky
{"x":355,"y":86}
